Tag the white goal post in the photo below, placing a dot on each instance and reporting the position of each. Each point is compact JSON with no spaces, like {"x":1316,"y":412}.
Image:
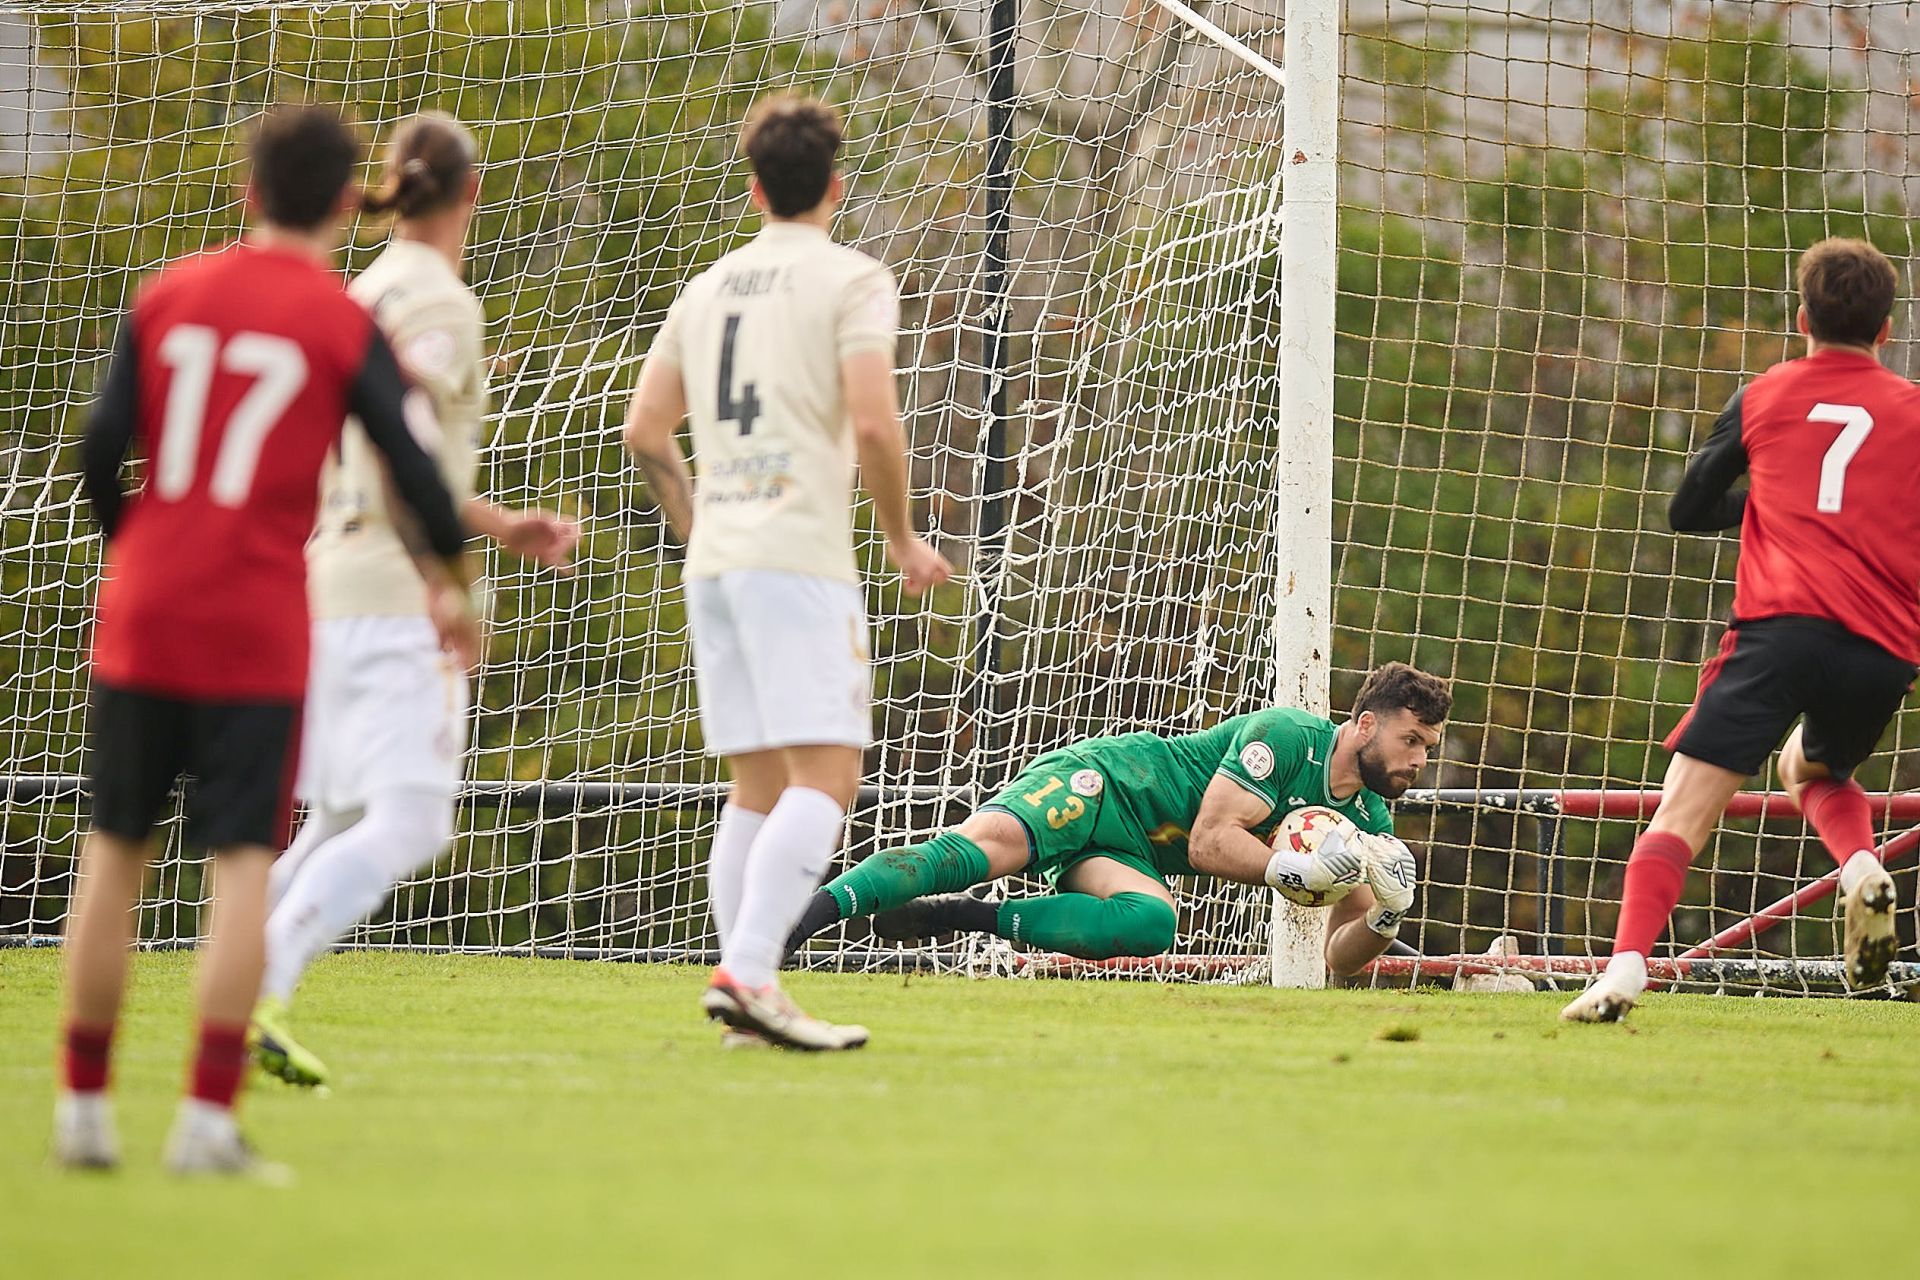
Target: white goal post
{"x":1303,"y":516}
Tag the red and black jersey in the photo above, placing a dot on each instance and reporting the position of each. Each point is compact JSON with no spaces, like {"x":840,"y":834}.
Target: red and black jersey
{"x":232,"y":376}
{"x":1830,"y":520}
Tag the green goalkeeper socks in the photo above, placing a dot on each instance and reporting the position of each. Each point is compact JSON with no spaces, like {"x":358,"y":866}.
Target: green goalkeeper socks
{"x":1077,"y":924}
{"x":945,"y":864}
{"x":1127,"y":924}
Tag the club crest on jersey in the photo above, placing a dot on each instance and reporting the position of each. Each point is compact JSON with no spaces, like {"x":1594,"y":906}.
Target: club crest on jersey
{"x":1257,"y":759}
{"x":1087,"y":783}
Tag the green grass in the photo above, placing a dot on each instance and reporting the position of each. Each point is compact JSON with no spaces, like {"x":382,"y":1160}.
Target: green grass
{"x":538,"y":1118}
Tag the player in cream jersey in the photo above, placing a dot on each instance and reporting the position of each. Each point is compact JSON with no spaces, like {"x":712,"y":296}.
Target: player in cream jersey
{"x":385,"y":721}
{"x":781,"y":354}
{"x":357,"y":564}
{"x":767,"y":328}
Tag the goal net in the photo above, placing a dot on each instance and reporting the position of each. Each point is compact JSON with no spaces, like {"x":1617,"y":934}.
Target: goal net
{"x":1569,"y":234}
{"x":1564,"y":238}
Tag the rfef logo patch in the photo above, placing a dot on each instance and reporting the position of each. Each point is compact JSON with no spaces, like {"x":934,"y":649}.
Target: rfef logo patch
{"x":1257,"y":759}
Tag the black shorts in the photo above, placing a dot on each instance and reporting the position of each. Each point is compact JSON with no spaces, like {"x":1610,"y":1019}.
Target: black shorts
{"x":1773,"y":671}
{"x":240,"y":756}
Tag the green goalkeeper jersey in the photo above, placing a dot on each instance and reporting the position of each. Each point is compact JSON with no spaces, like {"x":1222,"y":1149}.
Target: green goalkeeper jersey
{"x":1142,"y":791}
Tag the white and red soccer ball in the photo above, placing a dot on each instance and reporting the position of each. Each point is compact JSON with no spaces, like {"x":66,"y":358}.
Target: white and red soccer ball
{"x":1301,"y":832}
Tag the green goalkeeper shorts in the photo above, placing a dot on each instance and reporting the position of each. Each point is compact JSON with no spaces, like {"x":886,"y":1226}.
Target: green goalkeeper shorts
{"x":1060,"y":801}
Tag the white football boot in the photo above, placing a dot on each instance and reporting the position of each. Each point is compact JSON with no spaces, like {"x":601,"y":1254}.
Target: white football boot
{"x":1614,"y":994}
{"x":771,"y":1013}
{"x":83,"y":1132}
{"x":1870,"y":936}
{"x":206,"y":1141}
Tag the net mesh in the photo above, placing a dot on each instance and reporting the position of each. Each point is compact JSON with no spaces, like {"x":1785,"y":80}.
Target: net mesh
{"x":1567,"y":234}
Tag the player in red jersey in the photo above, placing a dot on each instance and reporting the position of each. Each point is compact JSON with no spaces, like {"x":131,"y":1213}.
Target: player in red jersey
{"x":233,"y":375}
{"x":1826,"y":612}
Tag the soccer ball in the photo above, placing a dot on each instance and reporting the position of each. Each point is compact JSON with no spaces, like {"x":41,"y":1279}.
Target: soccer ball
{"x":1302,"y":831}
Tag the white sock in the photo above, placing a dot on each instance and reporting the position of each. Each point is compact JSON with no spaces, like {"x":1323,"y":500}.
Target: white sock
{"x":94,"y":1105}
{"x":727,"y":865}
{"x":1856,"y":869}
{"x":1627,"y":971}
{"x":83,"y":1125}
{"x":345,"y":878}
{"x":788,"y":859}
{"x":204,"y":1116}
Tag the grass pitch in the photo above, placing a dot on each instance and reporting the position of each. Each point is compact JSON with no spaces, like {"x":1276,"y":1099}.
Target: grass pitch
{"x":499,"y":1117}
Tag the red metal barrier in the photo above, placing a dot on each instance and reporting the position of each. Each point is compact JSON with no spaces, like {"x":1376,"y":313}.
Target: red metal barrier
{"x":1892,"y":852}
{"x":1903,"y":806}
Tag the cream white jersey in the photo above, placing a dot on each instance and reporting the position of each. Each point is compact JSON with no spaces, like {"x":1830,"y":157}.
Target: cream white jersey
{"x":758,"y":338}
{"x":356,"y":564}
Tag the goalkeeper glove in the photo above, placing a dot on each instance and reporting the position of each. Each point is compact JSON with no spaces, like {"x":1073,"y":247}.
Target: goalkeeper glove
{"x":1323,"y":876}
{"x":1391,"y":874}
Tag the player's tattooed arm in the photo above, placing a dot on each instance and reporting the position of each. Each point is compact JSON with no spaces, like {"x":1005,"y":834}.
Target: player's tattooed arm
{"x":1703,"y":503}
{"x":653,"y":419}
{"x":672,"y":487}
{"x":109,"y":435}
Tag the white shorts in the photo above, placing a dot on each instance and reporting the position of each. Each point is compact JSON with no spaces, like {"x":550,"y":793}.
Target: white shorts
{"x":385,"y":708}
{"x":779,"y":660}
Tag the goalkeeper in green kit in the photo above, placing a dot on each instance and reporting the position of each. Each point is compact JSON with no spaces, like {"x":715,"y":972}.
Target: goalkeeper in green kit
{"x":1105,"y":823}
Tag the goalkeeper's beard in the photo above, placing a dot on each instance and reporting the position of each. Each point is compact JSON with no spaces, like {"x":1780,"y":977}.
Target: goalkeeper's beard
{"x":1377,"y":778}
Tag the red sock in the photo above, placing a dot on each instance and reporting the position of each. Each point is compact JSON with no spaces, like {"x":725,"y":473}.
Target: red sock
{"x":220,"y":1064}
{"x":1839,"y":812}
{"x":89,"y":1054}
{"x":1655,"y":874}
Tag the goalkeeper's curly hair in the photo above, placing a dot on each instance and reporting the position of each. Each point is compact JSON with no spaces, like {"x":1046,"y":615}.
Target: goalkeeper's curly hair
{"x":1398,"y":685}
